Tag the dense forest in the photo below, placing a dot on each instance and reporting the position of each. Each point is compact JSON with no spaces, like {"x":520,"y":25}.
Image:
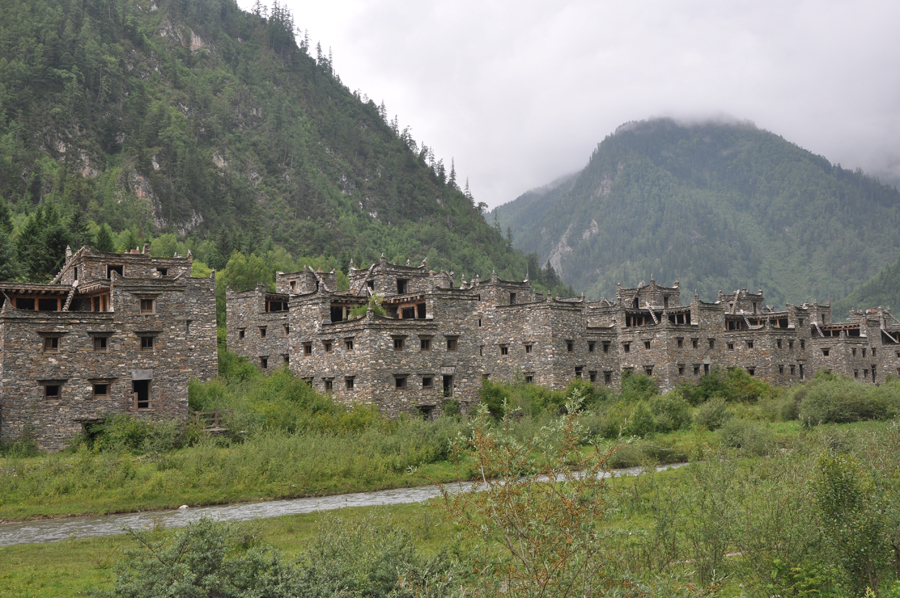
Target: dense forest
{"x":192,"y":121}
{"x":715,"y":206}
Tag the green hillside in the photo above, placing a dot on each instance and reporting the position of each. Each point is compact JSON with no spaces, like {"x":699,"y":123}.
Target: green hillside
{"x":715,"y":206}
{"x":882,"y":289}
{"x":198,"y":121}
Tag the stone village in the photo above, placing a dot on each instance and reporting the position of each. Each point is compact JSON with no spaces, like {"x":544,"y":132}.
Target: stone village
{"x":124,"y":333}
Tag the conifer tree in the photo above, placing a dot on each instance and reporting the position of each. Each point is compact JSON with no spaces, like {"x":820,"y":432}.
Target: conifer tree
{"x":104,"y":241}
{"x":9,"y":263}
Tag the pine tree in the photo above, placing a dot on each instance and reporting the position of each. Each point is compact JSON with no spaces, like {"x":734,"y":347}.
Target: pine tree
{"x":104,"y":241}
{"x":9,"y":263}
{"x":452,"y":179}
{"x":78,"y":229}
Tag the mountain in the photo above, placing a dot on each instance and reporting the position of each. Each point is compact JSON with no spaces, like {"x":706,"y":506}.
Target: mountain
{"x":883,"y":289}
{"x":200,"y":120}
{"x":716,"y":206}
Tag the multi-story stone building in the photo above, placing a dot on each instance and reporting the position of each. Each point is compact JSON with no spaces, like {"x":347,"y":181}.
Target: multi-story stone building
{"x":437,"y":341}
{"x":111,"y":333}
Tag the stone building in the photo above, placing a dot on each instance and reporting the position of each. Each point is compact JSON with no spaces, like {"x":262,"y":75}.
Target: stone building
{"x":437,"y":341}
{"x":111,"y":333}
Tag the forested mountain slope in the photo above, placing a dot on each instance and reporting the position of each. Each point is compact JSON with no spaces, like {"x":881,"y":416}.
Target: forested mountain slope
{"x":194,"y":118}
{"x":715,"y":206}
{"x":882,"y":289}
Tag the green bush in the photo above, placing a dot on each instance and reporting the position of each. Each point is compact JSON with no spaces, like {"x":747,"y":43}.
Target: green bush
{"x":842,"y":401}
{"x":733,"y":385}
{"x":712,"y":415}
{"x":641,"y":422}
{"x":671,"y":411}
{"x":751,"y":437}
{"x":637,"y":387}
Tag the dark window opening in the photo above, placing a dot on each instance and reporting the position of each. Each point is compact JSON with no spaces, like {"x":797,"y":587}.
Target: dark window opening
{"x":856,"y":373}
{"x":790,"y":345}
{"x":504,"y":350}
{"x":141,"y":393}
{"x":276,"y":305}
{"x":327,"y":346}
{"x":528,"y":348}
{"x":400,"y":382}
{"x":448,"y":386}
{"x":578,"y":371}
{"x":420,"y":311}
{"x":751,"y":371}
{"x":100,"y":343}
{"x":241,"y":333}
{"x":749,"y":344}
{"x":408,"y":313}
{"x":148,"y":306}
{"x":402,"y":286}
{"x":147,"y":343}
{"x":780,"y":369}
{"x":426,"y":412}
{"x":52,"y":391}
{"x":425,"y":344}
{"x":262,"y":333}
{"x":427,"y":382}
{"x":51,"y":344}
{"x":452,"y":344}
{"x":606,"y":347}
{"x":570,"y":346}
{"x":825,"y":352}
{"x":287,"y":330}
{"x":802,"y":344}
{"x":348,"y":344}
{"x":680,"y":342}
{"x":75,"y":270}
{"x":101,"y":391}
{"x":648,"y":369}
{"x":680,"y":370}
{"x":307,"y":348}
{"x":800,"y":322}
{"x":293,"y":285}
{"x":370,"y":284}
{"x":801,"y":371}
{"x":695,"y":342}
{"x":696,"y":370}
{"x":48,"y":305}
{"x":512,"y":298}
{"x":162,"y":271}
{"x":25,"y":303}
{"x":590,"y":347}
{"x":712,"y":343}
{"x":529,"y":378}
{"x":864,"y":352}
{"x":328,"y":384}
{"x":873,"y":372}
{"x":479,"y":322}
{"x":778,"y":343}
{"x":117,"y":269}
{"x":337,"y":314}
{"x":626,"y":347}
{"x":285,"y":358}
{"x":646,"y":344}
{"x":793,"y":370}
{"x":730,"y":346}
{"x":666,"y":301}
{"x":264,"y":363}
{"x":398,"y":344}
{"x":592,"y":376}
{"x":705,"y":369}
{"x":873,"y":351}
{"x":607,"y":377}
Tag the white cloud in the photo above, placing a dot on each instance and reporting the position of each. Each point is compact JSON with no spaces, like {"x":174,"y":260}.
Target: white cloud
{"x":520,"y":92}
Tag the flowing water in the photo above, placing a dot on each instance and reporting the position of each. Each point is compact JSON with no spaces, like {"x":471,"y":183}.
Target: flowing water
{"x":57,"y":530}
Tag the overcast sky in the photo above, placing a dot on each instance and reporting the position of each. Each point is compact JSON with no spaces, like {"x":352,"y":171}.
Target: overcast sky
{"x":520,"y":92}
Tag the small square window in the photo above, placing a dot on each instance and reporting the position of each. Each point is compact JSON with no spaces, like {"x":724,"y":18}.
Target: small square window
{"x":326,"y":345}
{"x":826,"y":352}
{"x":590,"y":347}
{"x":528,"y":348}
{"x":529,"y":378}
{"x":307,"y":348}
{"x":52,"y":391}
{"x":791,"y":345}
{"x":680,"y":370}
{"x":148,"y":343}
{"x":348,"y":382}
{"x":626,"y":347}
{"x":607,"y":377}
{"x":853,"y":352}
{"x":592,"y":376}
{"x":264,"y":362}
{"x":570,"y":346}
{"x":262,"y":333}
{"x":712,"y":343}
{"x":873,"y":351}
{"x":695,"y":342}
{"x":328,"y":384}
{"x":680,"y":342}
{"x":425,"y":344}
{"x":792,"y":370}
{"x":606,"y":347}
{"x":148,"y":306}
{"x":646,"y":344}
{"x":696,"y":370}
{"x":287,"y":330}
{"x":730,"y":346}
{"x":749,"y":344}
{"x":578,"y":372}
{"x":398,"y":344}
{"x":504,"y":350}
{"x":452,"y":344}
{"x":101,"y":391}
{"x":427,"y":382}
{"x":162,"y":271}
{"x":780,"y":369}
{"x":400,"y":382}
{"x":241,"y":333}
{"x":348,"y":344}
{"x":856,"y":373}
{"x":648,"y":369}
{"x":51,"y":344}
{"x":285,"y":358}
{"x":778,"y":343}
{"x":100,"y":343}
{"x":751,"y":371}
{"x":803,"y":346}
{"x":512,"y":298}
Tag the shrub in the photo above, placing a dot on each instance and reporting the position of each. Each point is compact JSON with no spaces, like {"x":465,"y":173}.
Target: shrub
{"x":671,"y":411}
{"x":751,"y":437}
{"x":495,"y":396}
{"x":844,"y":401}
{"x":712,"y":415}
{"x":637,"y":387}
{"x":641,"y":422}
